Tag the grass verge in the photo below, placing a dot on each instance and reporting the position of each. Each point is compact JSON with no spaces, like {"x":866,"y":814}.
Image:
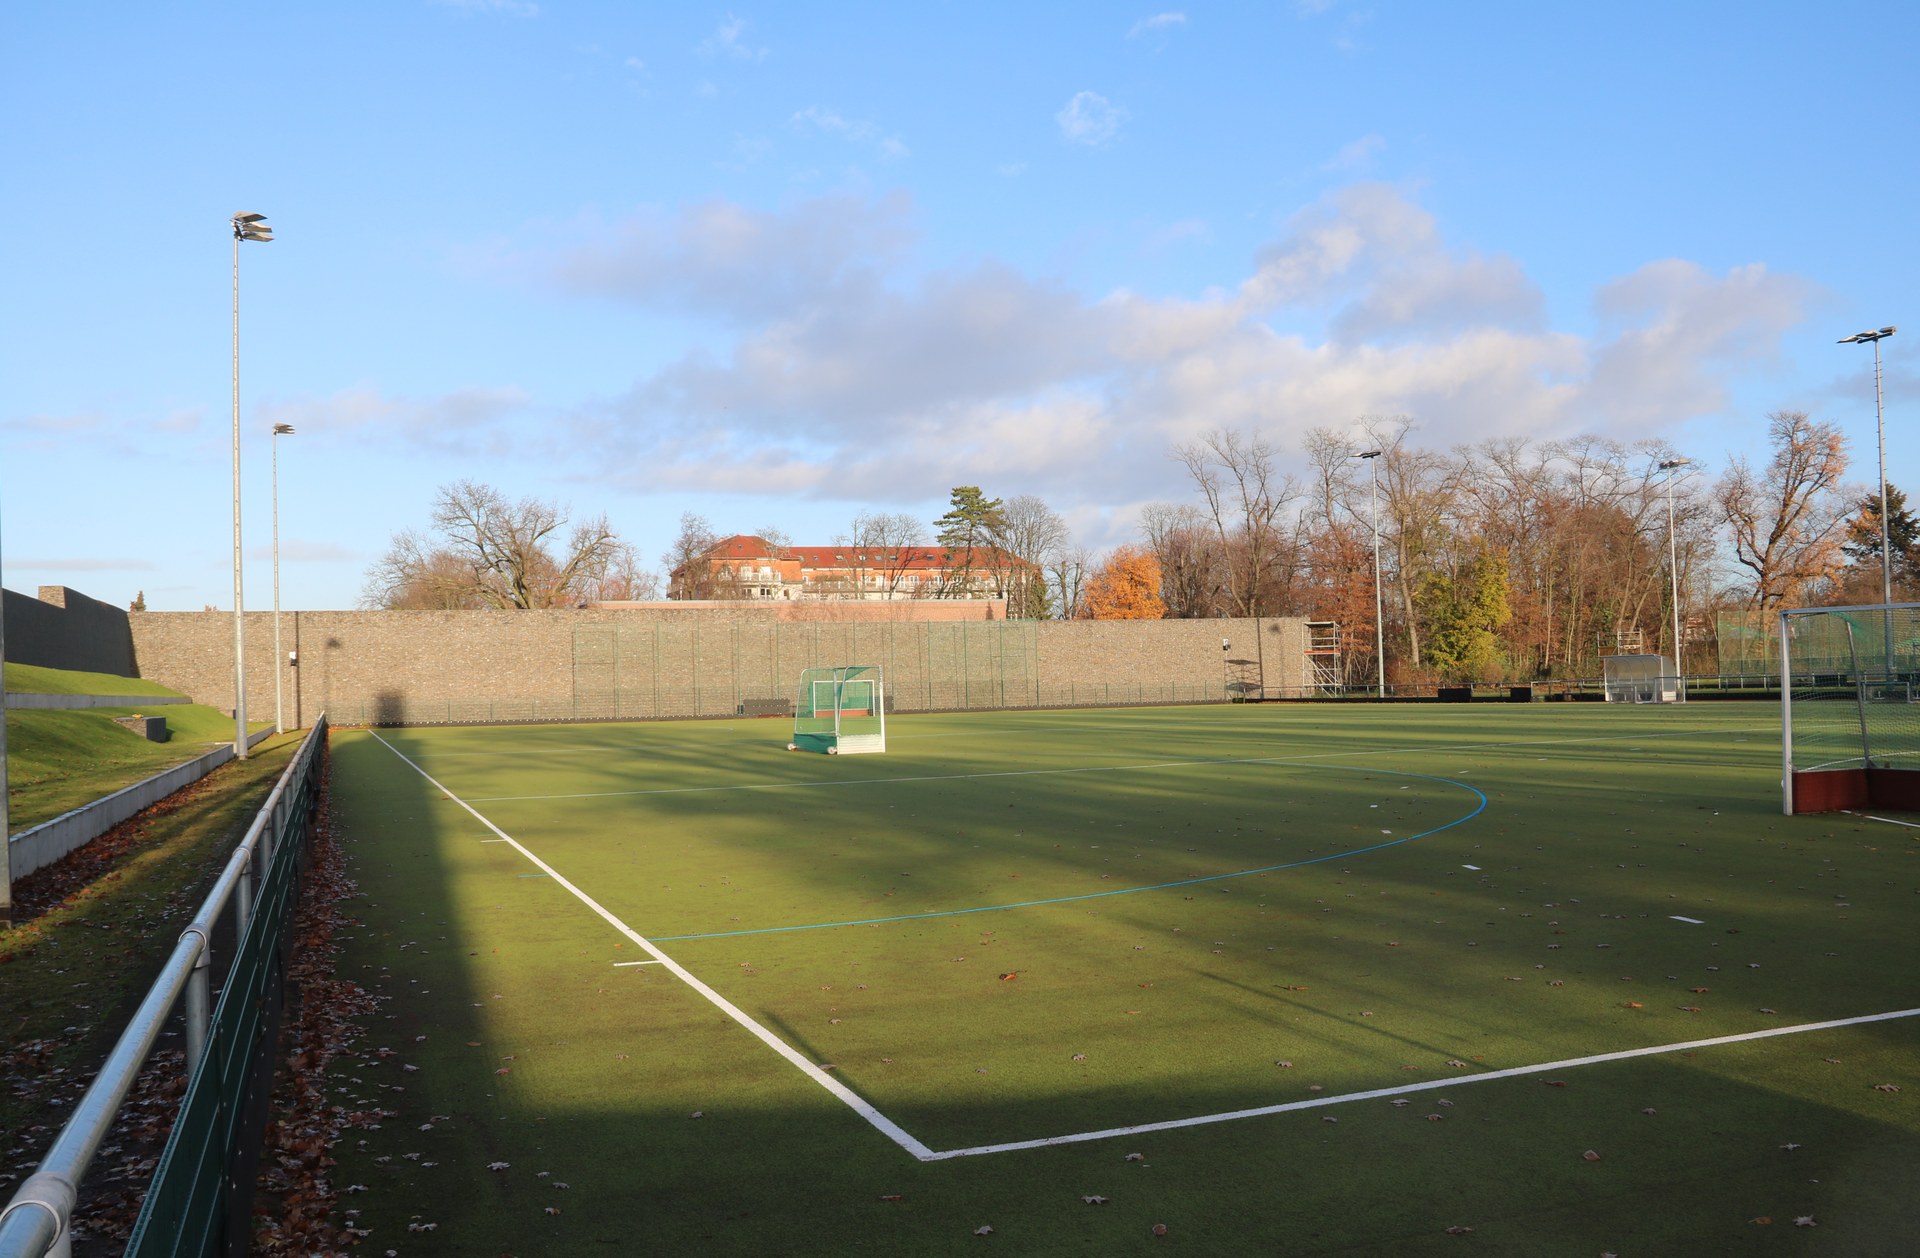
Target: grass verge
{"x":33,"y":679}
{"x":60,"y":760}
{"x":90,"y":935}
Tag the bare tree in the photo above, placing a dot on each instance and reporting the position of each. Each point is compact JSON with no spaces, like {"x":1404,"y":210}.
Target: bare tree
{"x":1245,"y":496}
{"x":691,"y":573}
{"x":1182,"y":539}
{"x":625,"y":581}
{"x":1335,"y":481}
{"x":496,"y":554}
{"x":1788,"y":521}
{"x":1067,"y":572}
{"x":1414,"y":493}
{"x":1030,"y":532}
{"x":888,"y":542}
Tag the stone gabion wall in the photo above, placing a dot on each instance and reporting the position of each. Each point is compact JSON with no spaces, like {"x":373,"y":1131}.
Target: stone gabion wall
{"x":378,"y":667}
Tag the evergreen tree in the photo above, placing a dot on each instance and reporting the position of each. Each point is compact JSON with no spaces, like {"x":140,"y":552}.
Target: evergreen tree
{"x":967,"y":531}
{"x":1862,"y":546}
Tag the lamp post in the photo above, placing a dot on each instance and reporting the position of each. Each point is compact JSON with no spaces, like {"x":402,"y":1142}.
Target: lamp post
{"x":279,"y":664}
{"x":1672,"y":468}
{"x":245,"y":227}
{"x":1880,"y":434}
{"x":1880,"y":437}
{"x":1379,"y":621}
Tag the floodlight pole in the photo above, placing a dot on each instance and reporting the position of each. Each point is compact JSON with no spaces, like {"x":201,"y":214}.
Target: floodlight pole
{"x":6,"y":855}
{"x":279,"y":661}
{"x":1880,"y":436}
{"x":1672,"y":468}
{"x":246,"y":226}
{"x":1379,"y":619}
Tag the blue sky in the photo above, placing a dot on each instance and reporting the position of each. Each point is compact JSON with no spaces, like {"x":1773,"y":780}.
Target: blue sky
{"x":778,"y":265}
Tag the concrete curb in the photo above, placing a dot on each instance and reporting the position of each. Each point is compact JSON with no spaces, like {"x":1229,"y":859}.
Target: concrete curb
{"x":50,"y":840}
{"x":18,"y":699}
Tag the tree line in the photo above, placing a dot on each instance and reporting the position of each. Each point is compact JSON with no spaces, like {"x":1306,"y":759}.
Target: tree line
{"x":1501,"y":559}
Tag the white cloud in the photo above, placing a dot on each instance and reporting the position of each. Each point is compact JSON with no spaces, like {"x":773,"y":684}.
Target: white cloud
{"x":721,"y":258}
{"x":30,"y":564}
{"x":729,"y":40}
{"x":1357,"y":154}
{"x":1382,"y":259}
{"x":1158,"y":24}
{"x":1676,"y":329}
{"x":1090,"y":119}
{"x":84,"y":421}
{"x":847,"y":370}
{"x":823,"y":121}
{"x":474,"y":419}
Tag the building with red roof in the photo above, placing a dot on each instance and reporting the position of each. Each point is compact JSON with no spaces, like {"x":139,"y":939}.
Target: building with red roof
{"x":746,"y":567}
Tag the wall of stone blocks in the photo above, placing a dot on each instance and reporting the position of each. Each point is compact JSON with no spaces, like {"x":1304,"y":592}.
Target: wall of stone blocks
{"x":63,"y":628}
{"x":593,"y":664}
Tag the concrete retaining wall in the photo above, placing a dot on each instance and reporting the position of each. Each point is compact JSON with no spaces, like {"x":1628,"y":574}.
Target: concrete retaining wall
{"x":18,"y":699}
{"x":49,"y":841}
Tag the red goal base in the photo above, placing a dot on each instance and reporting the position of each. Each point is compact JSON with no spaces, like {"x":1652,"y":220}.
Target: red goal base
{"x":1835,"y":789}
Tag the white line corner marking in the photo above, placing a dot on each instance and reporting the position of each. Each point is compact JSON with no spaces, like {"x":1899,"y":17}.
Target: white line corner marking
{"x":846,"y":1095}
{"x":894,"y":1132}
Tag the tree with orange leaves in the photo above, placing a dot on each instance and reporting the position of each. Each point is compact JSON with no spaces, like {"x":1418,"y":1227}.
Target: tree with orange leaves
{"x":1127,"y":587}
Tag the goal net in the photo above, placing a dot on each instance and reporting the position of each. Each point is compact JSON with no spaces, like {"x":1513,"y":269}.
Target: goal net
{"x":1850,"y":707}
{"x":840,"y":711}
{"x":1640,"y":679}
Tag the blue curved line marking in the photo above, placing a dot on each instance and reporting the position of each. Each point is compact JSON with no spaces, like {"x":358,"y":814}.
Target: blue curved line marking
{"x":1479,"y":808}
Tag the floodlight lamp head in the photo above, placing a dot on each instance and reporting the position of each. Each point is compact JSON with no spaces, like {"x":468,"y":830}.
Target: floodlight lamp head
{"x":1368,"y":454}
{"x":249,"y":217}
{"x":1667,"y":465}
{"x":283,"y":430}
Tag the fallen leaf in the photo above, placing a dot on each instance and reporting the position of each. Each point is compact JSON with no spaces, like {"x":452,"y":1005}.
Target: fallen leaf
{"x":1805,"y":1220}
{"x":1159,"y":1229}
{"x":985,"y":1229}
{"x":1095,"y":1201}
{"x":1591,"y":1156}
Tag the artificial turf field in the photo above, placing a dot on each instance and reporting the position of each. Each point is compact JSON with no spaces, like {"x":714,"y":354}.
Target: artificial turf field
{"x":746,"y":1001}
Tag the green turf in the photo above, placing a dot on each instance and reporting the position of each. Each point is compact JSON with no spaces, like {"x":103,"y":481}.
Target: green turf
{"x":60,"y":760}
{"x":33,"y":679}
{"x":1314,"y":906}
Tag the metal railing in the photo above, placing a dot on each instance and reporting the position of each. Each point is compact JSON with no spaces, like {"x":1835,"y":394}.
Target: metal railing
{"x":188,"y":1199}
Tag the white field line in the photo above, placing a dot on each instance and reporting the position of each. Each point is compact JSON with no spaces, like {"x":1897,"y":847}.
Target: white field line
{"x":845,"y":1095}
{"x":1429,"y":1086}
{"x":1353,"y":753}
{"x":1889,"y":820}
{"x":923,"y":1153}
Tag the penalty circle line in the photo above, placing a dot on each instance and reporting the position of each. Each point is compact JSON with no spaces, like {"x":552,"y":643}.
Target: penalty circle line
{"x":1479,"y":807}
